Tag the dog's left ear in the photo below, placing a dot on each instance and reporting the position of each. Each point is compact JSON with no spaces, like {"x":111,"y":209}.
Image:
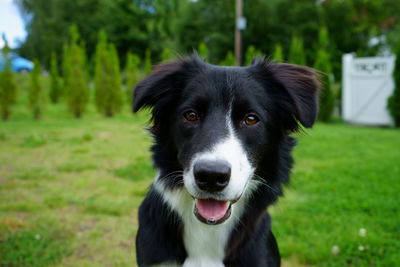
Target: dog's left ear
{"x":297,"y":83}
{"x":161,"y":82}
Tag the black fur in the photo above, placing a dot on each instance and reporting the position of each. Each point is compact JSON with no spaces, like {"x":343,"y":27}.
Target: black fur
{"x":283,"y":95}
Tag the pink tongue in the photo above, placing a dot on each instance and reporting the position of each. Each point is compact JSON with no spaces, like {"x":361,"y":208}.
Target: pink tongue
{"x":211,"y":209}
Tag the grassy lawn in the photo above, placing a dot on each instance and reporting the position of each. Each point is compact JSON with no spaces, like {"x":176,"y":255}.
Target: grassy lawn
{"x":70,"y":190}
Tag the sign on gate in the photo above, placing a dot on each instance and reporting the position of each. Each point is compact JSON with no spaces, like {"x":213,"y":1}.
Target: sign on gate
{"x":367,"y":85}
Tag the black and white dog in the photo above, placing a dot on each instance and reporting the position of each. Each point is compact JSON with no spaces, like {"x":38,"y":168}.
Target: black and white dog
{"x":222,"y":147}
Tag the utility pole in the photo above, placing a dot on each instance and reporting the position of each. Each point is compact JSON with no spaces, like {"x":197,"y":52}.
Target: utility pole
{"x":238,"y":33}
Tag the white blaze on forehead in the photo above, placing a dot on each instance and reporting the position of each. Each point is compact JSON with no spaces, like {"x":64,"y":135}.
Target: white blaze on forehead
{"x":231,"y":150}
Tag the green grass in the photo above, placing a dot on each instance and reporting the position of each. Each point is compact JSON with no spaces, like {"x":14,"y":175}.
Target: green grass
{"x":70,"y":190}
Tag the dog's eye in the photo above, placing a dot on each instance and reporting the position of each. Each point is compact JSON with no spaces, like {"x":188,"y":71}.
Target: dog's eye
{"x":250,"y":119}
{"x":191,"y":115}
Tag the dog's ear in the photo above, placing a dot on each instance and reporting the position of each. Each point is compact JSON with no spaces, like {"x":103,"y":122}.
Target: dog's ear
{"x":161,"y":82}
{"x":299,"y":84}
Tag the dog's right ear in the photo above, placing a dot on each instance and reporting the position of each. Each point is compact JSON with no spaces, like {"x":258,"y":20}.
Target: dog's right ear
{"x":160,"y":83}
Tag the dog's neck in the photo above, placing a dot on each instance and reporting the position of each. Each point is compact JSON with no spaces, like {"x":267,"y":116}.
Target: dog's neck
{"x":205,"y":244}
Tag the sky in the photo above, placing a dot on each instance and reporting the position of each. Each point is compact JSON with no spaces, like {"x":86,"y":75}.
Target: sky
{"x":11,"y":23}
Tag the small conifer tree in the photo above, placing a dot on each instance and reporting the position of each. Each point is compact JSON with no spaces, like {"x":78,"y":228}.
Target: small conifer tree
{"x":108,"y":94}
{"x":278,"y":53}
{"x":323,"y":64}
{"x":8,"y":88}
{"x":166,"y":55}
{"x":203,"y":51}
{"x":55,"y":80}
{"x":132,"y":74}
{"x":229,"y":60}
{"x":36,"y":94}
{"x":251,"y":53}
{"x":394,"y":99}
{"x":147,"y":62}
{"x":296,"y":53}
{"x":75,"y":76}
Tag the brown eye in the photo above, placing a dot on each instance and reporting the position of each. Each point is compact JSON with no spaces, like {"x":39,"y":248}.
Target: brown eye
{"x":191,"y":115}
{"x":251,"y":119}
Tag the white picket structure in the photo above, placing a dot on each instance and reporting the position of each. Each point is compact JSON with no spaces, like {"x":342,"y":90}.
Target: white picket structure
{"x":367,"y":84}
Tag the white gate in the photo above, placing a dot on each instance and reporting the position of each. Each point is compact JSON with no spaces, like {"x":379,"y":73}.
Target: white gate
{"x":367,"y":85}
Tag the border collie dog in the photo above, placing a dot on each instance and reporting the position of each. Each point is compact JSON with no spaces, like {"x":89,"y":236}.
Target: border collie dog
{"x":222,"y":147}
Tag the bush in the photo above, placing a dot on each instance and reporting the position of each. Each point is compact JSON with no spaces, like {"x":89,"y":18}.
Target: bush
{"x":323,"y":64}
{"x":55,"y":80}
{"x":166,"y":55}
{"x":147,"y":62}
{"x":203,"y":51}
{"x":36,"y":94}
{"x":132,"y":74}
{"x":394,"y":99}
{"x":251,"y":53}
{"x":229,"y":60}
{"x":108,"y":94}
{"x":296,"y":53}
{"x":75,"y":76}
{"x":278,"y":53}
{"x":8,"y":88}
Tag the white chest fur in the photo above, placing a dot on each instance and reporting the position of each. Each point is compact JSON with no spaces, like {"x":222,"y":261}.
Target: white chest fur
{"x":204,"y":244}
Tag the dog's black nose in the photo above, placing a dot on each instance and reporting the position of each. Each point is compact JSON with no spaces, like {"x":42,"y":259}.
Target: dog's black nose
{"x":212,"y":176}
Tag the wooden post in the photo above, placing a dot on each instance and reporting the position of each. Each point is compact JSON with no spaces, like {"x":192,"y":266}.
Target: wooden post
{"x":238,"y":34}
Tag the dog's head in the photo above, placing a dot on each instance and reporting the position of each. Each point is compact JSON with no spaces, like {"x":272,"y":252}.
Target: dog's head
{"x":214,"y":126}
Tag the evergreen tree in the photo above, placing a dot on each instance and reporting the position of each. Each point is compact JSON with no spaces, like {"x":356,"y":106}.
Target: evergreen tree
{"x":132,"y":74}
{"x":75,"y":76}
{"x":203,"y":51}
{"x":55,"y":80}
{"x":296,"y":53}
{"x":108,"y":93}
{"x":147,"y":62}
{"x":394,"y":99}
{"x":323,"y":64}
{"x":229,"y":60}
{"x":36,"y":94}
{"x":166,"y":55}
{"x":278,"y":53}
{"x":251,"y":53}
{"x":8,"y":88}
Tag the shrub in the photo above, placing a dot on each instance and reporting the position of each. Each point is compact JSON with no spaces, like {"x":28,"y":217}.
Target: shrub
{"x":229,"y":60}
{"x":394,"y":99}
{"x":55,"y":80}
{"x":166,"y":55}
{"x":132,"y":74}
{"x":278,"y":53}
{"x":36,"y":94}
{"x":251,"y":53}
{"x":323,"y":64}
{"x":107,"y":82}
{"x":296,"y":53}
{"x":203,"y":51}
{"x":75,"y":76}
{"x":147,"y":62}
{"x":8,"y":88}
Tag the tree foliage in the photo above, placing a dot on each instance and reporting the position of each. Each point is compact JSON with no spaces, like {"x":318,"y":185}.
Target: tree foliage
{"x":323,"y":64}
{"x":296,"y":52}
{"x":107,"y":82}
{"x":181,"y":25}
{"x":8,"y":88}
{"x":132,"y":74}
{"x":75,"y":74}
{"x":55,"y":80}
{"x":251,"y":53}
{"x":36,"y":94}
{"x":229,"y":60}
{"x":394,"y":99}
{"x":278,"y":53}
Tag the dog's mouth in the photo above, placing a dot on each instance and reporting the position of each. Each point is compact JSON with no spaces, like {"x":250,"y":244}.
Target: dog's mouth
{"x":212,"y":211}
